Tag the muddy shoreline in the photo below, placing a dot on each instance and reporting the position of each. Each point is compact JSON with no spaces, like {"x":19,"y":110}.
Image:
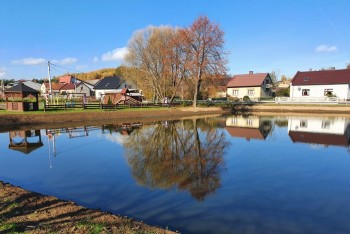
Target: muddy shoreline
{"x":30,"y":212}
{"x":17,"y":121}
{"x":67,"y":119}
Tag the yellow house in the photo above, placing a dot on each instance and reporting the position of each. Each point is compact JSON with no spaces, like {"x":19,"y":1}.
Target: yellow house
{"x":252,"y":85}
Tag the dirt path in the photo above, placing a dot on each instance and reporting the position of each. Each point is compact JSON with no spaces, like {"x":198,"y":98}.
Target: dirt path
{"x":29,"y":212}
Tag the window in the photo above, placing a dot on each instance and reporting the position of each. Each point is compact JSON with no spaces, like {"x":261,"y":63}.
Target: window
{"x":326,"y":124}
{"x":305,"y":92}
{"x":303,"y":123}
{"x":306,"y":79}
{"x":250,"y":92}
{"x":249,"y":122}
{"x":328,"y":92}
{"x":234,"y":121}
{"x":235,"y":92}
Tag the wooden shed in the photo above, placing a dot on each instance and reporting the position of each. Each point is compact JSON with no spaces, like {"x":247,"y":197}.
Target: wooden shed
{"x":21,"y":98}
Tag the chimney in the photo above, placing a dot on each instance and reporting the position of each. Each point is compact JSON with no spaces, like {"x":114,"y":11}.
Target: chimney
{"x":251,"y":72}
{"x":332,"y":68}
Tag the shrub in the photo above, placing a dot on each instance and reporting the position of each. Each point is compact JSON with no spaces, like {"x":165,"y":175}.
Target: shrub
{"x":246,"y":98}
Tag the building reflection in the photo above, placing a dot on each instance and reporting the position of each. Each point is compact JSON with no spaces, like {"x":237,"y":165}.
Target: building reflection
{"x":124,"y":129}
{"x":25,"y":141}
{"x":319,"y":131}
{"x":248,"y":127}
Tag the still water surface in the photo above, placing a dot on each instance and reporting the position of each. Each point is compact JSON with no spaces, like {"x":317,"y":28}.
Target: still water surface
{"x":229,"y":174}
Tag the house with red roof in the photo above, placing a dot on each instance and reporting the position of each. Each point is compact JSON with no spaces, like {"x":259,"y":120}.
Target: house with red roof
{"x":252,"y":85}
{"x":321,"y":84}
{"x":68,"y":79}
{"x":248,"y":127}
{"x":319,"y":131}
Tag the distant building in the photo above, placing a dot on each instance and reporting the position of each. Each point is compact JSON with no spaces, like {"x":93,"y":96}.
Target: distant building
{"x":252,"y":85}
{"x":283,"y":84}
{"x":107,"y":85}
{"x":67,"y":80}
{"x":321,"y":84}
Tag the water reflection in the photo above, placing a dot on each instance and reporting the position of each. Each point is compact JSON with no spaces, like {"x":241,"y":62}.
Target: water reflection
{"x":248,"y":127}
{"x":186,"y":155}
{"x":267,"y":185}
{"x":319,"y":131}
{"x":25,"y":141}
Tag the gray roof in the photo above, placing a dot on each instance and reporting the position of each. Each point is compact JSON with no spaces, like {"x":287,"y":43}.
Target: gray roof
{"x":111,"y":82}
{"x":33,"y":85}
{"x":21,"y":88}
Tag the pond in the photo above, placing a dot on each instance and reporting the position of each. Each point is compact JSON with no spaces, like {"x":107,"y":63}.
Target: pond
{"x":228,"y":174}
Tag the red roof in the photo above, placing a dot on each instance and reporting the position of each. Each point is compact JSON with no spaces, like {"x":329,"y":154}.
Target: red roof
{"x":54,"y":86}
{"x":68,"y":87}
{"x":66,"y":79}
{"x":319,"y":138}
{"x":248,"y":133}
{"x":247,"y":80}
{"x":322,"y":77}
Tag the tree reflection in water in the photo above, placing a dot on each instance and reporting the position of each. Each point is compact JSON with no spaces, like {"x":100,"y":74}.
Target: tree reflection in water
{"x":187,"y":155}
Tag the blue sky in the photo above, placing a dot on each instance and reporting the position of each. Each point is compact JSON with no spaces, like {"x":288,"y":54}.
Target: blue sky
{"x":86,"y":35}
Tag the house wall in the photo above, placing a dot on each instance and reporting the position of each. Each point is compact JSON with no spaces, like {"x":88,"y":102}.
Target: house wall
{"x":101,"y":92}
{"x":240,"y":121}
{"x":259,"y":91}
{"x":84,"y":89}
{"x":243,"y":91}
{"x":340,"y":90}
{"x":315,"y":125}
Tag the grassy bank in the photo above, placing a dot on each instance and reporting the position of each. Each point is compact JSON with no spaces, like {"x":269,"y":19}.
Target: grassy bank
{"x":23,"y":211}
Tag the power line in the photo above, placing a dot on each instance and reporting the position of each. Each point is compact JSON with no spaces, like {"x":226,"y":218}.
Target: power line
{"x":65,"y":68}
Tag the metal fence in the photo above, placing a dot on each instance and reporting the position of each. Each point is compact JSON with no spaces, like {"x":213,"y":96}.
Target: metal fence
{"x":310,"y":100}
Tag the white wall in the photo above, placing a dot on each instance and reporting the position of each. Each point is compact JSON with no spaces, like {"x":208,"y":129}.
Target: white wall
{"x":101,"y":92}
{"x":340,"y":90}
{"x":318,"y":125}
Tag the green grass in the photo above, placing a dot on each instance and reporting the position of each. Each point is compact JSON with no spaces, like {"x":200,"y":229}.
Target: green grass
{"x":94,"y":228}
{"x":9,"y":228}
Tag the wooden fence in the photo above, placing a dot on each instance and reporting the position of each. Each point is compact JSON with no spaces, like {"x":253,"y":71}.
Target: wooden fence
{"x":67,"y":106}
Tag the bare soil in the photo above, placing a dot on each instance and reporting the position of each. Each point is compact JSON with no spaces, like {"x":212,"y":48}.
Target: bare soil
{"x":29,"y":212}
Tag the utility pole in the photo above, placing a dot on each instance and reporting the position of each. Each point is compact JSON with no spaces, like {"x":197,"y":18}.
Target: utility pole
{"x":49,"y":72}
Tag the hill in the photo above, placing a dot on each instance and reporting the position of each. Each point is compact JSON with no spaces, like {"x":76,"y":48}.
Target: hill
{"x":99,"y":74}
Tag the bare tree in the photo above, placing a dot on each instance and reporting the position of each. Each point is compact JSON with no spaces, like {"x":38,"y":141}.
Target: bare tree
{"x":158,"y":53}
{"x":205,"y":47}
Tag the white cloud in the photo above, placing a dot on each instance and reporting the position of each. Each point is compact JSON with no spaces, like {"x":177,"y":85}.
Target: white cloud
{"x":95,"y":59}
{"x":65,"y":61}
{"x":29,"y":61}
{"x":116,"y":54}
{"x":326,"y":48}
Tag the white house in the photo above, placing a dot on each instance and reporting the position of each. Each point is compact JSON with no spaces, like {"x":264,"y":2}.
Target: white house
{"x":321,"y":84}
{"x":106,"y":85}
{"x":252,"y":85}
{"x":250,"y":127}
{"x":320,"y":131}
